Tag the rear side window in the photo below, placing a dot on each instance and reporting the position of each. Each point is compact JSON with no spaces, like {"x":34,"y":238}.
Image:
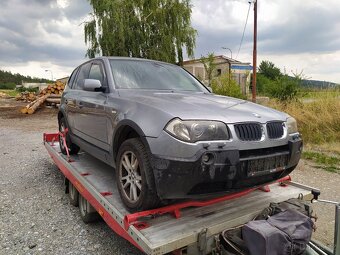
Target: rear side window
{"x":72,"y":78}
{"x":82,"y":75}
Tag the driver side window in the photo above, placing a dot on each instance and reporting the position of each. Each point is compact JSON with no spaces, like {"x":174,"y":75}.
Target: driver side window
{"x":97,"y":73}
{"x":82,"y":75}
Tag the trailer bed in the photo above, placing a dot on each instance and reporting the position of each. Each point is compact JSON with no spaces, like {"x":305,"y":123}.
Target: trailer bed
{"x":159,"y":235}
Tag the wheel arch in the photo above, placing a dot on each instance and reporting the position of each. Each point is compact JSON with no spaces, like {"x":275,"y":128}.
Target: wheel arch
{"x":127,"y":129}
{"x":60,"y":115}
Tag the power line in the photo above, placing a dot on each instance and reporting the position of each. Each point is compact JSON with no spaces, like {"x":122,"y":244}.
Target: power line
{"x":244,"y":29}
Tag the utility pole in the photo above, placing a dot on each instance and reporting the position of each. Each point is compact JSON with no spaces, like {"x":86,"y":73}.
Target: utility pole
{"x":254,"y":53}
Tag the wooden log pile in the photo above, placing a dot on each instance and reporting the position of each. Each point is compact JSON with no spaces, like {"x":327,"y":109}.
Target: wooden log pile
{"x":4,"y":95}
{"x":49,"y":97}
{"x":26,"y":96}
{"x":56,"y":88}
{"x":33,"y":106}
{"x":53,"y":100}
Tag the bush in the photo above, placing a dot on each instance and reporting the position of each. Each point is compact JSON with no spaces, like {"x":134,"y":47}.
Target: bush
{"x":262,"y":84}
{"x":284,"y":88}
{"x":23,"y":89}
{"x":8,"y":85}
{"x":226,"y":86}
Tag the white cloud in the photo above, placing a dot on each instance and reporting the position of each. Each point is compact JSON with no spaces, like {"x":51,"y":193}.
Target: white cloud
{"x":42,"y":34}
{"x":295,"y":35}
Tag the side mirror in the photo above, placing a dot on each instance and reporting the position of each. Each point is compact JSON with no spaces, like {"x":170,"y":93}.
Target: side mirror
{"x":210,"y":89}
{"x":91,"y":84}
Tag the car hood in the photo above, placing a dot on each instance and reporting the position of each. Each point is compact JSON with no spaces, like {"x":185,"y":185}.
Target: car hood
{"x":199,"y":106}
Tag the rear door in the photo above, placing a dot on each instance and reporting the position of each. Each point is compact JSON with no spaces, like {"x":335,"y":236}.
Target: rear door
{"x":68,"y":103}
{"x":92,"y":119}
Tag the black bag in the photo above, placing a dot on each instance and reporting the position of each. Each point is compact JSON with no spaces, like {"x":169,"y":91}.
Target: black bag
{"x":232,"y":239}
{"x":233,"y":243}
{"x":285,"y":233}
{"x":297,"y":204}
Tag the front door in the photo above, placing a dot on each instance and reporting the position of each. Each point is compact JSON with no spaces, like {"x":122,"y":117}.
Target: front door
{"x":92,"y":120}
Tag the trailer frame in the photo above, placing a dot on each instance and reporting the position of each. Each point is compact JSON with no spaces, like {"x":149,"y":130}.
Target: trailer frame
{"x":92,"y":180}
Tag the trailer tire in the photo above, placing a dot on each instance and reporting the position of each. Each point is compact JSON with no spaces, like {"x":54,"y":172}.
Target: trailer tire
{"x":74,"y":194}
{"x":72,"y":148}
{"x":138,"y":177}
{"x":87,"y":212}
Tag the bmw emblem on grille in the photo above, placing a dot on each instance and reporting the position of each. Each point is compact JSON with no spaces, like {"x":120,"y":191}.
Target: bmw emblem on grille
{"x":256,"y":115}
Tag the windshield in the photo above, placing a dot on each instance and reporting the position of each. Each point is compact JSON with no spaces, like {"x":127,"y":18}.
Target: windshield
{"x":132,"y":74}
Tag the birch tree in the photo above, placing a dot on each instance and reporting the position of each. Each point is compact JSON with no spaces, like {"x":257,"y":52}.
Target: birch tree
{"x":154,"y":29}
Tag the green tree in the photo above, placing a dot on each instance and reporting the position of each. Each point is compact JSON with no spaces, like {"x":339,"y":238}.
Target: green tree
{"x":209,"y":66}
{"x":269,"y":70}
{"x":262,"y":83}
{"x":9,"y":80}
{"x":155,"y":29}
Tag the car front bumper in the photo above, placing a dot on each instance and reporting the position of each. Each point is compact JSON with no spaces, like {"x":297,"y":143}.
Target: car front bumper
{"x":218,"y":170}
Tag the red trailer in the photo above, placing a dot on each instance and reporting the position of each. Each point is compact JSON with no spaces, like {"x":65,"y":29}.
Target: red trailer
{"x":190,"y":227}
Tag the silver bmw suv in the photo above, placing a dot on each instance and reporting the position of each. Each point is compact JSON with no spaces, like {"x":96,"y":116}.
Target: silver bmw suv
{"x":167,"y":136}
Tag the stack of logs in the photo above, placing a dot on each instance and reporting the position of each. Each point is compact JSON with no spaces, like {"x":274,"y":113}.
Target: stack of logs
{"x":56,"y":88}
{"x":26,"y":96}
{"x":50,"y":96}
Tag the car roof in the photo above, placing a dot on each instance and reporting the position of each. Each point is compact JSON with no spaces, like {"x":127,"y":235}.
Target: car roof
{"x":131,"y":58}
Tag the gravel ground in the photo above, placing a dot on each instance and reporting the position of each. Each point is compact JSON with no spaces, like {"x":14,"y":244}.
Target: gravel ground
{"x":36,"y":216}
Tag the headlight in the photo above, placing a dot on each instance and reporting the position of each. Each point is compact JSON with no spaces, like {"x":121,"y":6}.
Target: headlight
{"x":193,"y":131}
{"x":291,"y":125}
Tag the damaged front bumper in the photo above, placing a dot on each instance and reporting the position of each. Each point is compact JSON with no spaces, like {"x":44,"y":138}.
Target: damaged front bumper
{"x":216,"y":171}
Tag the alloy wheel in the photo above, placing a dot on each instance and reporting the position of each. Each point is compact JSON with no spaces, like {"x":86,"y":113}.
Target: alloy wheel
{"x":130,"y":176}
{"x":62,"y":130}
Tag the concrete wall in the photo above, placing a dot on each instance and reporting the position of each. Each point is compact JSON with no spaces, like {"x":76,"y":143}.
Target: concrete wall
{"x":34,"y":85}
{"x":242,"y":77}
{"x":197,"y":69}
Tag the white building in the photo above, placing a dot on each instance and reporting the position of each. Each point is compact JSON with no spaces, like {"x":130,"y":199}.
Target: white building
{"x":238,"y":70}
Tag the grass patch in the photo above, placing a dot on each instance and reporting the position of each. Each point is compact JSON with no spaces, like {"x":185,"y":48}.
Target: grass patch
{"x":320,"y":158}
{"x":331,"y":149}
{"x":332,"y":93}
{"x":318,"y":120}
{"x":10,"y":92}
{"x":329,"y":163}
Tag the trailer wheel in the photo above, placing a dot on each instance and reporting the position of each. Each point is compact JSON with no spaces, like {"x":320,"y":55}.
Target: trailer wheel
{"x":87,"y":212}
{"x":134,"y":176}
{"x":74,"y":194}
{"x":72,"y":148}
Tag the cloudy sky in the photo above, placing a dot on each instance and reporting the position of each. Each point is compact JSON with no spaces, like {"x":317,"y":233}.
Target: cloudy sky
{"x":296,"y":35}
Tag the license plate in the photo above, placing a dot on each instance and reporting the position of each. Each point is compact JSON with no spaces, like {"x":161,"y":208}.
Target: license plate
{"x":267,"y":165}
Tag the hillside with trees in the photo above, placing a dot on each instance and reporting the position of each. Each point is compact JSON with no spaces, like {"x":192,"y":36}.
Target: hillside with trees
{"x":276,"y":84}
{"x":8,"y":80}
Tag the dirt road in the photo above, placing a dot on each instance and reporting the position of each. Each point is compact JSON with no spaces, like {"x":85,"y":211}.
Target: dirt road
{"x":35,"y":214}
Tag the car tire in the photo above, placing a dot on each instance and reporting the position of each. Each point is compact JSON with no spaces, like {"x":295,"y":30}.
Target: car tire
{"x":87,"y":212}
{"x":72,"y":148}
{"x":73,"y":194}
{"x":134,"y":176}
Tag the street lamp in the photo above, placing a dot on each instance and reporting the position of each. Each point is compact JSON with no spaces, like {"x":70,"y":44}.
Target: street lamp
{"x":47,"y":70}
{"x":231,"y":53}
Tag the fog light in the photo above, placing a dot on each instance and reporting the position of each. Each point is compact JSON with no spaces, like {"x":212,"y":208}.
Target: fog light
{"x":208,"y":158}
{"x":205,"y":158}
